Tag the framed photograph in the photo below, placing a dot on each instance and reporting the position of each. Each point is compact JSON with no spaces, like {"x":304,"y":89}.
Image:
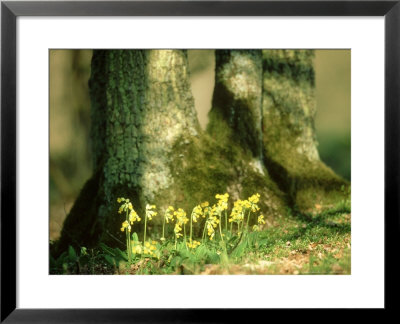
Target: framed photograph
{"x":196,"y":155}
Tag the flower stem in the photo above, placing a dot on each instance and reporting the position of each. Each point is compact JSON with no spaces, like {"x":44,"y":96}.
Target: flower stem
{"x":128,"y":239}
{"x":184,"y":234}
{"x":127,"y":245}
{"x":204,"y":232}
{"x":191,"y":225}
{"x":145,"y":224}
{"x":163,"y":226}
{"x":220,"y":231}
{"x":248,"y":219}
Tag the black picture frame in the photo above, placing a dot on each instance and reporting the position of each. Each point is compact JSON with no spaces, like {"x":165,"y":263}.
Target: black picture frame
{"x":10,"y":10}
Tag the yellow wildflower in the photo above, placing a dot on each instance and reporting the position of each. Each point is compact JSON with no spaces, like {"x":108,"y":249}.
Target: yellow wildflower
{"x":150,"y":212}
{"x":210,"y":230}
{"x":196,"y":213}
{"x":169,"y":214}
{"x":222,"y":201}
{"x":204,"y":204}
{"x":261,"y":219}
{"x":177,"y":230}
{"x":133,"y":216}
{"x":125,"y":225}
{"x":193,"y":245}
{"x":253,"y":200}
{"x":181,"y":216}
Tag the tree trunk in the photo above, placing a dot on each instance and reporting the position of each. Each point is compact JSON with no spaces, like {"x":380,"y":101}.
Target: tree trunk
{"x":237,"y":100}
{"x":290,"y":145}
{"x":141,"y":105}
{"x":235,"y":124}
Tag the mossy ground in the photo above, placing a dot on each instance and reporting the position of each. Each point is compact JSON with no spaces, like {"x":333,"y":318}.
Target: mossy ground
{"x":318,"y":242}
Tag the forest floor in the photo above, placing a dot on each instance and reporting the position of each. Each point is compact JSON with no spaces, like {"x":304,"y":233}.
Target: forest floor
{"x":315,"y":243}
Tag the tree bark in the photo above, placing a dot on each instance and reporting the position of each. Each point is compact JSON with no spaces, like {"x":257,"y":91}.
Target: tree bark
{"x":289,"y":138}
{"x":235,"y":123}
{"x":237,"y":100}
{"x":141,"y":105}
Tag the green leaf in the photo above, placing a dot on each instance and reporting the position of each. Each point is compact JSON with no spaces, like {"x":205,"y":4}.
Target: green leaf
{"x":122,"y":254}
{"x":184,"y":254}
{"x":240,"y":249}
{"x":252,"y":238}
{"x":110,"y":260}
{"x":176,"y":261}
{"x":72,"y":254}
{"x":107,"y":249}
{"x":201,"y":252}
{"x":135,"y":237}
{"x":212,"y":257}
{"x":53,"y":263}
{"x":61,"y":259}
{"x":83,"y":251}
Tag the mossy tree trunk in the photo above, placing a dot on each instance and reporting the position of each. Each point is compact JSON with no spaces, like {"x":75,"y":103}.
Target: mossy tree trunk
{"x":141,"y":104}
{"x":148,"y":146}
{"x":289,"y":138}
{"x":235,"y":123}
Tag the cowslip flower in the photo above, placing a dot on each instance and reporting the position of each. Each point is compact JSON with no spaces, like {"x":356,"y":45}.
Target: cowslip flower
{"x":260,"y":219}
{"x":133,"y":216}
{"x":150,"y":212}
{"x":181,"y":216}
{"x":253,"y":200}
{"x":196,"y":213}
{"x":126,"y":205}
{"x":237,"y":214}
{"x":125,"y":225}
{"x":204,"y":204}
{"x":177,"y":230}
{"x":149,"y":248}
{"x":206,"y":209}
{"x":136,"y":247}
{"x":210,"y":230}
{"x":222,"y":201}
{"x":193,"y":245}
{"x":169,"y":214}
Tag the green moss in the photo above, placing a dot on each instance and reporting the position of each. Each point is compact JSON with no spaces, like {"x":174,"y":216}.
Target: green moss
{"x":205,"y":166}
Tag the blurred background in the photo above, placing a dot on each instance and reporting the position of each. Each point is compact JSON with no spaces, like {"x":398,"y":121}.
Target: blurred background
{"x":70,"y":152}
